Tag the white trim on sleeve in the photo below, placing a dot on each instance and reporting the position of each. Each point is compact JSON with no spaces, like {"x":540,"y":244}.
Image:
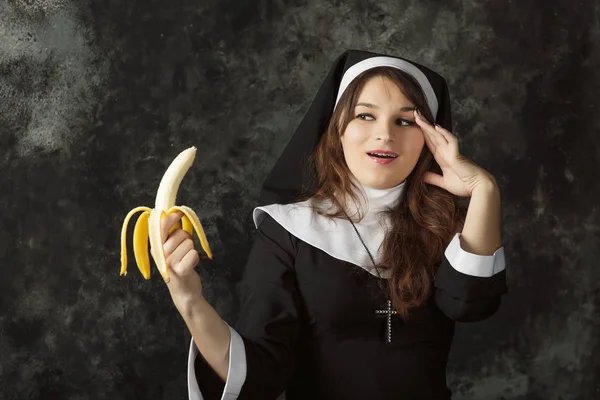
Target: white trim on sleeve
{"x":236,"y":376}
{"x":474,"y":264}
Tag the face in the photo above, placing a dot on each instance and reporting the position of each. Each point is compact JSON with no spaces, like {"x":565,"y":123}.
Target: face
{"x":383,"y":120}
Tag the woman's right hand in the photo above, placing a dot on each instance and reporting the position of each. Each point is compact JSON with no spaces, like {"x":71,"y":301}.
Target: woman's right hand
{"x":184,"y":285}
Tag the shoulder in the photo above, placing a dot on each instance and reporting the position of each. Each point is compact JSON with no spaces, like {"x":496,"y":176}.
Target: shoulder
{"x":271,"y":227}
{"x":297,"y":221}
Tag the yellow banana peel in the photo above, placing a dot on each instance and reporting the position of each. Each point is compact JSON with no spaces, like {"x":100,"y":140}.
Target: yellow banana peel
{"x":148,"y":224}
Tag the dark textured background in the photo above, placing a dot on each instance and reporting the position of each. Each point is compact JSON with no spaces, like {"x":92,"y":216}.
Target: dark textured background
{"x":97,"y":98}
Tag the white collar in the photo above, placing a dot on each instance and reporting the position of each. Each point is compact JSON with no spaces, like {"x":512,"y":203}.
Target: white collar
{"x":337,"y":237}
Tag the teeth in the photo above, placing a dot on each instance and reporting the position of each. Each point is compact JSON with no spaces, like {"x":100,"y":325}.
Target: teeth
{"x":148,"y":225}
{"x":383,"y":155}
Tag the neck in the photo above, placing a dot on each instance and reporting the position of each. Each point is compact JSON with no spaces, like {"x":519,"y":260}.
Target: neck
{"x":373,"y":200}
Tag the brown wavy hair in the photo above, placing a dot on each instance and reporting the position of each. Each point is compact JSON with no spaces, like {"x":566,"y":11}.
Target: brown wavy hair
{"x":424,"y":220}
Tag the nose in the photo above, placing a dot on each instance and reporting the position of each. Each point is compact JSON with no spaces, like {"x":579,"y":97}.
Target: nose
{"x":385,"y":130}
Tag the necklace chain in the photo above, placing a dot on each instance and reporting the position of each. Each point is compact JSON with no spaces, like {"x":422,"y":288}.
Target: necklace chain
{"x":388,"y":311}
{"x":361,"y":240}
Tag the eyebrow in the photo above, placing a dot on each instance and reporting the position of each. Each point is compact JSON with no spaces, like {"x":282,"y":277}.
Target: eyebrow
{"x":403,"y":109}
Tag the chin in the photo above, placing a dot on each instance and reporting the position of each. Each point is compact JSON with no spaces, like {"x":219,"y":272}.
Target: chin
{"x":379,"y":181}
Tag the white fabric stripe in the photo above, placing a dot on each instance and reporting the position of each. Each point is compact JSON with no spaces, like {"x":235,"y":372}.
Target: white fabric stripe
{"x":474,"y":264}
{"x":236,"y":376}
{"x":193,"y":389}
{"x":402,"y":65}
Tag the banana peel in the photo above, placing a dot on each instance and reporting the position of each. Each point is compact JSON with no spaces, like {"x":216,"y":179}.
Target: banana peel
{"x":148,"y":225}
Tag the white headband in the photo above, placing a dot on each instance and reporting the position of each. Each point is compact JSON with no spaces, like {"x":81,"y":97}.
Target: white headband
{"x":402,"y":65}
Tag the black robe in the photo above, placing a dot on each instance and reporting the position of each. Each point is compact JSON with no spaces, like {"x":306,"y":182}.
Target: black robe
{"x":309,"y":327}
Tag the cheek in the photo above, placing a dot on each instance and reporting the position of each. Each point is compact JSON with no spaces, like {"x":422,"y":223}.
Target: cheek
{"x":414,"y":142}
{"x":352,"y":140}
{"x":354,"y":135}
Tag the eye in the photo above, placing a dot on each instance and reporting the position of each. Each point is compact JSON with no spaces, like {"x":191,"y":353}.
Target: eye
{"x":364,"y":117}
{"x":405,"y":122}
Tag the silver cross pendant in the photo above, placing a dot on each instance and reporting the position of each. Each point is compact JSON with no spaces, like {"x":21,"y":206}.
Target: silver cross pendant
{"x":388,"y":312}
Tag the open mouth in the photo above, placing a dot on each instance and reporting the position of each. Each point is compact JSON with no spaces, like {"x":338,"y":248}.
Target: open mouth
{"x":382,"y":156}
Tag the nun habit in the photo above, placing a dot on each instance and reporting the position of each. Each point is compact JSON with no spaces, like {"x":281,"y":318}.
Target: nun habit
{"x":312,"y":323}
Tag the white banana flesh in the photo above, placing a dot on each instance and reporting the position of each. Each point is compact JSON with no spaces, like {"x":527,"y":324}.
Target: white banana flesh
{"x":148,"y":224}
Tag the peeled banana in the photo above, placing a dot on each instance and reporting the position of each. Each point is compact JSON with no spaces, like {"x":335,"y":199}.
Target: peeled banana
{"x":148,"y":225}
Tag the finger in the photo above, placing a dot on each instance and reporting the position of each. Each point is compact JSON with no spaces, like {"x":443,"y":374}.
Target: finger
{"x":180,"y":251}
{"x":434,"y":179}
{"x":427,"y":132}
{"x":430,"y":130}
{"x":421,"y":121}
{"x":449,"y":136}
{"x":168,"y":222}
{"x":187,"y":264}
{"x":174,"y":240}
{"x":432,"y":147}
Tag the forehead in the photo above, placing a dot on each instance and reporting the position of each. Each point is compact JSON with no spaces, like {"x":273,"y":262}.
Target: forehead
{"x":381,"y":88}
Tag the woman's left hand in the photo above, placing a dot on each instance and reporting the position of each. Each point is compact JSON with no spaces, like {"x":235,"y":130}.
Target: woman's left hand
{"x":460,"y":175}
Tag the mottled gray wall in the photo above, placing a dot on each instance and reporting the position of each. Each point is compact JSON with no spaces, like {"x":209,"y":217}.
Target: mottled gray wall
{"x":96,"y":98}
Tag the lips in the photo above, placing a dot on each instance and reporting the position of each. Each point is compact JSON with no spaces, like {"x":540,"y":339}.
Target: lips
{"x":381,"y":159}
{"x":382,"y":154}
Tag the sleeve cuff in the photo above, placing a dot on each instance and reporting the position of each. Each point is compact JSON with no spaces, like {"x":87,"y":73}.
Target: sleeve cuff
{"x":474,"y":264}
{"x":193,"y":389}
{"x":236,"y":376}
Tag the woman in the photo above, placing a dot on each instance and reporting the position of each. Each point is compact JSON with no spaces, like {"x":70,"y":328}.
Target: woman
{"x":363,"y":258}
